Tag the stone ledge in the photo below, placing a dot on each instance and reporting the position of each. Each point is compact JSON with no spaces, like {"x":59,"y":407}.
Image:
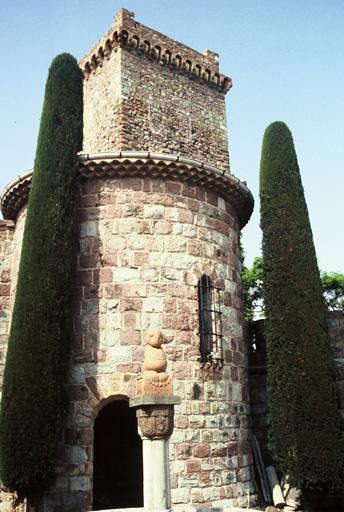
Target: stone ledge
{"x":155,"y":400}
{"x":133,"y":164}
{"x":15,"y":195}
{"x":126,"y":510}
{"x":136,"y":164}
{"x":188,"y":509}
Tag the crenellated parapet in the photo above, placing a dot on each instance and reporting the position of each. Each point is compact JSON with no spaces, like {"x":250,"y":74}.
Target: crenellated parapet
{"x":132,"y":36}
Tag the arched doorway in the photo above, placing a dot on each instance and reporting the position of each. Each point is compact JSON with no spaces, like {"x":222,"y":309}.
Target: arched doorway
{"x":117,"y":470}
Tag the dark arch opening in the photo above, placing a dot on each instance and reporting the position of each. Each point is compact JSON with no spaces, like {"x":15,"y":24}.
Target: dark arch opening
{"x":117,"y":470}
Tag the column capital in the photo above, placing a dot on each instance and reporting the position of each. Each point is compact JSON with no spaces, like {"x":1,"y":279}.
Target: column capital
{"x":155,"y":421}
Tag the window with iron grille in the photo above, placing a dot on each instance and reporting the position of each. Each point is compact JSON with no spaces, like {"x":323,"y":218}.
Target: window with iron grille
{"x":210,"y":323}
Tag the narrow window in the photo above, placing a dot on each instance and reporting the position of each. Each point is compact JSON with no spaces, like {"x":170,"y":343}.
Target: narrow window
{"x":94,"y":62}
{"x":168,"y":56}
{"x":107,"y":50}
{"x":124,"y":37}
{"x":207,"y":75}
{"x":136,"y":41}
{"x":115,"y":40}
{"x":188,"y":65}
{"x":146,"y":46}
{"x":157,"y":52}
{"x":216,"y":78}
{"x":210,"y":323}
{"x":178,"y":61}
{"x":101,"y":53}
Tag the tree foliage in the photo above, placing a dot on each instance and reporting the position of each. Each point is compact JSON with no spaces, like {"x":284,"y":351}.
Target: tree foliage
{"x":333,"y":290}
{"x":33,"y":401}
{"x":306,"y":430}
{"x":252,"y":279}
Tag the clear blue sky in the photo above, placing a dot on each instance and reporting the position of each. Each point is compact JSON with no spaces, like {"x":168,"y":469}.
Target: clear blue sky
{"x":286,"y":60}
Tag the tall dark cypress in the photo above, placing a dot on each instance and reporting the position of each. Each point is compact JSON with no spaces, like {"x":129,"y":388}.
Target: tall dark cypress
{"x":32,"y":404}
{"x":305,"y":426}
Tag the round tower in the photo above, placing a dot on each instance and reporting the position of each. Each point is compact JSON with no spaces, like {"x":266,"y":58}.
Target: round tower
{"x":159,"y":217}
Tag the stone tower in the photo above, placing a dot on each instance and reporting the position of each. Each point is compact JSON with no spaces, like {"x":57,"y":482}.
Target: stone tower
{"x":159,"y":217}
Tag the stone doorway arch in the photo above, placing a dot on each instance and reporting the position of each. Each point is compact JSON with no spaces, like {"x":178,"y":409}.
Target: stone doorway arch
{"x":117,"y":469}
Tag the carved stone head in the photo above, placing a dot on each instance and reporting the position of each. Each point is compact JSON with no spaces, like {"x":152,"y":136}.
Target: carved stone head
{"x":155,"y":338}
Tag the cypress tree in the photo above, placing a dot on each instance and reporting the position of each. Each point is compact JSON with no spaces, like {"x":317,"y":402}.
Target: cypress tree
{"x":33,"y":403}
{"x":306,"y":430}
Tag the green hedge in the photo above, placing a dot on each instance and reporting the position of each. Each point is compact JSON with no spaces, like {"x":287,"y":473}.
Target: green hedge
{"x":33,"y":402}
{"x":305,"y":427}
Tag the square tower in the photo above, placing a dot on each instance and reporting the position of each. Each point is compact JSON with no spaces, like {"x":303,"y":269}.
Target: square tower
{"x":146,"y":92}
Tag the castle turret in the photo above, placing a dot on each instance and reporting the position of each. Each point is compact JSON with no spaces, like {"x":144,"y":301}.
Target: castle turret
{"x":159,"y":218}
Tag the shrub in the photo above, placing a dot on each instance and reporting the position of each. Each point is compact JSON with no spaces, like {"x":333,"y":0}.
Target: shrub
{"x":33,"y":401}
{"x":306,"y":430}
{"x":252,"y":280}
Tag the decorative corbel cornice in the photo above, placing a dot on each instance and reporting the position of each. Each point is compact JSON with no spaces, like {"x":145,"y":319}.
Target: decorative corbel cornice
{"x":141,"y":164}
{"x":134,"y":37}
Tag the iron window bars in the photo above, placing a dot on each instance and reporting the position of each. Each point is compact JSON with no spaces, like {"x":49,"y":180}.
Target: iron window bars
{"x":210,"y":323}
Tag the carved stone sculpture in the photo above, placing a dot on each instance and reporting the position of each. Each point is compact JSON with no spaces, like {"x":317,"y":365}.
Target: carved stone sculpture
{"x":155,"y":380}
{"x":155,"y":421}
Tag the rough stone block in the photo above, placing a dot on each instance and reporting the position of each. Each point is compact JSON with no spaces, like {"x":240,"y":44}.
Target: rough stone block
{"x":201,"y":450}
{"x":77,"y":454}
{"x":180,"y":495}
{"x":80,"y":483}
{"x":154,"y":211}
{"x":125,"y":274}
{"x":119,"y":354}
{"x":88,"y":229}
{"x":153,"y":304}
{"x":149,"y":275}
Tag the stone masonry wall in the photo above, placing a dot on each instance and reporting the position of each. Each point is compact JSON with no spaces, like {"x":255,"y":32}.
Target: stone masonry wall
{"x":11,"y":235}
{"x":6,"y":247}
{"x":172,"y":114}
{"x":335,"y":321}
{"x":135,"y":101}
{"x":103,"y":127}
{"x":143,"y":246}
{"x":17,"y":247}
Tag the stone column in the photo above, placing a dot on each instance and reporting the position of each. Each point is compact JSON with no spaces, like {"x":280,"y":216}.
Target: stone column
{"x":155,"y":425}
